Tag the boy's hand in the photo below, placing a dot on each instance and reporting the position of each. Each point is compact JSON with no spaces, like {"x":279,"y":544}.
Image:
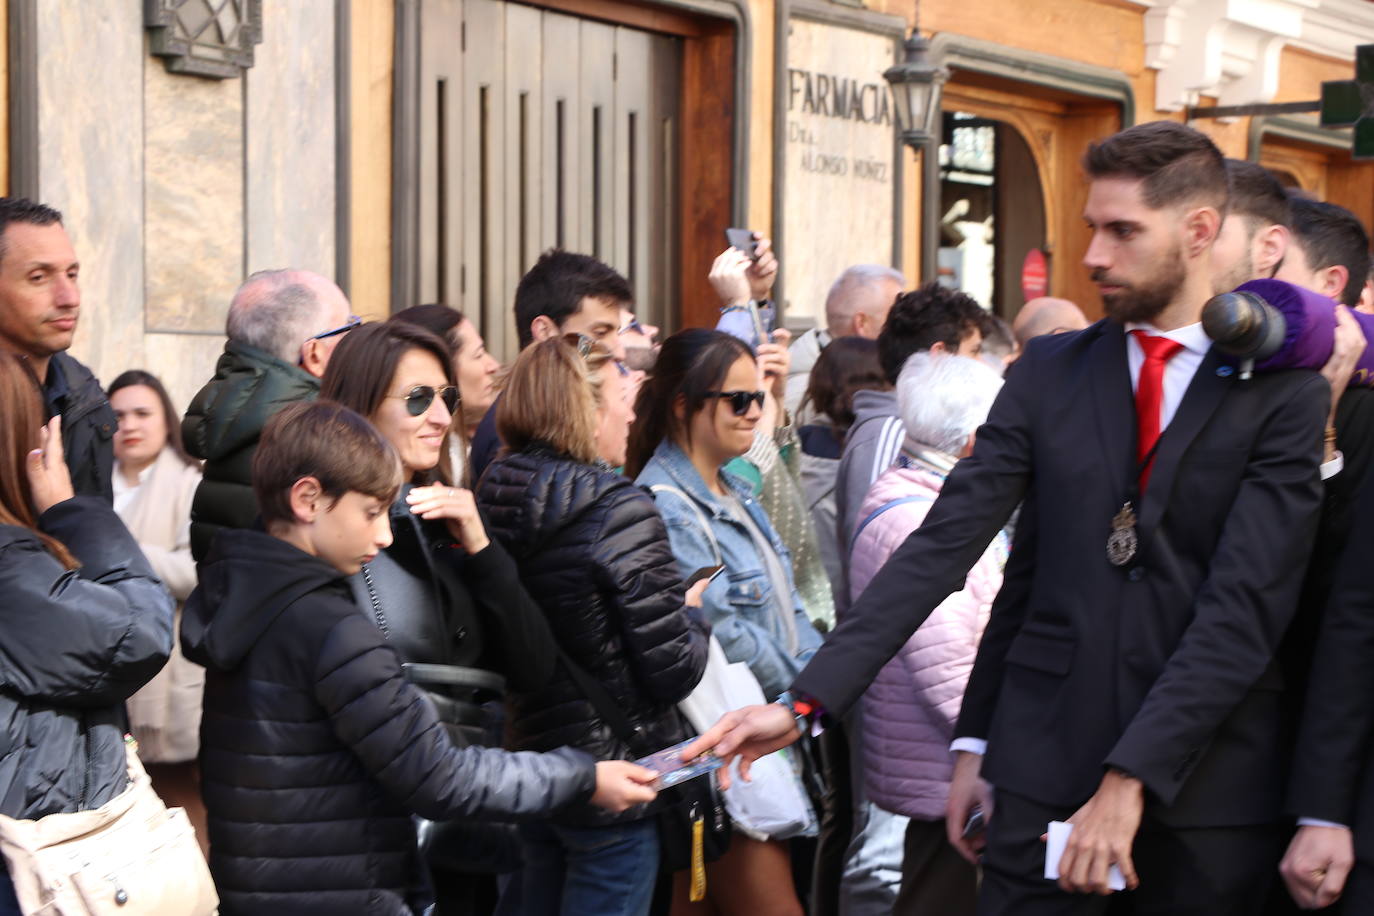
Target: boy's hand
{"x":49,"y":480}
{"x":457,"y":508}
{"x":621,"y":785}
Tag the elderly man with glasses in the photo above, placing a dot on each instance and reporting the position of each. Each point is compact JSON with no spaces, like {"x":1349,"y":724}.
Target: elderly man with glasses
{"x":283,"y":326}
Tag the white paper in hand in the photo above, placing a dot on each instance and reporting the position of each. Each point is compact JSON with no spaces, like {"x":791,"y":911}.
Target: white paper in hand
{"x":1055,"y":842}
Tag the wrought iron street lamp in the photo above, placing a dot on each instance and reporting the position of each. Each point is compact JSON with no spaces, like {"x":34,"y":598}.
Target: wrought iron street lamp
{"x":916,"y":84}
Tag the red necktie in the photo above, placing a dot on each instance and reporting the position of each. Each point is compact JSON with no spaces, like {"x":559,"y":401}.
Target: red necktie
{"x":1149,"y":394}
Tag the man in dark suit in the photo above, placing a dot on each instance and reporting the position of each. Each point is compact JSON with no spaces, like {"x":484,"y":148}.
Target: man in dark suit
{"x":1126,"y":681}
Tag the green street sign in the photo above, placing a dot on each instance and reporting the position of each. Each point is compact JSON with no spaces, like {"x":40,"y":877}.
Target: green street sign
{"x":1350,"y":103}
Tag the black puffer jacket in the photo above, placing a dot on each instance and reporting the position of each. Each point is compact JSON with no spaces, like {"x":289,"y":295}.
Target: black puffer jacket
{"x":593,"y":552}
{"x":315,"y":751}
{"x":74,"y":645}
{"x":88,"y":427}
{"x":222,"y":426}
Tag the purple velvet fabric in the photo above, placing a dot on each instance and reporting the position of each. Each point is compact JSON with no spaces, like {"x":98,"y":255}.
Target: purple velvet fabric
{"x":1311,"y":328}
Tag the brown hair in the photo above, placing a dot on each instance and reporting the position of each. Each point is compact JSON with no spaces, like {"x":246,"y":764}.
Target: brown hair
{"x":690,"y":363}
{"x":1256,"y":195}
{"x":21,"y":404}
{"x":328,"y":442}
{"x":363,"y":367}
{"x":1177,"y":164}
{"x":170,"y":416}
{"x":552,"y":395}
{"x":439,"y":320}
{"x":846,"y":365}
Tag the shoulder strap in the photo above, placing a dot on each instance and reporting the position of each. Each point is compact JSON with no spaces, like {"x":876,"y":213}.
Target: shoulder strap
{"x":891,"y":504}
{"x":696,"y":510}
{"x":606,"y":707}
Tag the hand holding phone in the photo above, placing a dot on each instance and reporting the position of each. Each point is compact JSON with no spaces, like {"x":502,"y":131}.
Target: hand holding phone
{"x":743,"y":240}
{"x":706,"y":572}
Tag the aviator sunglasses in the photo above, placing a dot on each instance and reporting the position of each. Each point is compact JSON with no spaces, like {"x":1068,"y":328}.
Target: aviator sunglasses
{"x":739,"y":400}
{"x":420,"y":397}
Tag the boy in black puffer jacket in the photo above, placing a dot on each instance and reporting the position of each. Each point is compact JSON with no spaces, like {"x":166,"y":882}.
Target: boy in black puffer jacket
{"x":315,"y":751}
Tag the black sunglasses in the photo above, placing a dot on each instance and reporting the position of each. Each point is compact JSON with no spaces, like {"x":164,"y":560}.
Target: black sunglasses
{"x":420,"y":397}
{"x":739,"y":400}
{"x":353,"y":322}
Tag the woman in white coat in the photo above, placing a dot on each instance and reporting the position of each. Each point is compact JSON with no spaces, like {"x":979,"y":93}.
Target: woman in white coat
{"x":154,"y":483}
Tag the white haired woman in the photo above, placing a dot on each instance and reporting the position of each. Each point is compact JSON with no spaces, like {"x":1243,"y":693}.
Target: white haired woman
{"x":910,"y":710}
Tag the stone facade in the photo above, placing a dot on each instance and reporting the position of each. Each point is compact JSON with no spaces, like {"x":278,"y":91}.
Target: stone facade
{"x":175,"y":187}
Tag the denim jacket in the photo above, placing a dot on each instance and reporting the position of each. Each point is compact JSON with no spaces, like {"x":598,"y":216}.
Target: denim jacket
{"x":739,"y":603}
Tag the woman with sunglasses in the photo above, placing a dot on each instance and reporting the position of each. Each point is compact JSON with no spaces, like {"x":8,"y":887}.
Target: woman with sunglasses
{"x":594,"y":553}
{"x":447,"y":598}
{"x":696,"y":413}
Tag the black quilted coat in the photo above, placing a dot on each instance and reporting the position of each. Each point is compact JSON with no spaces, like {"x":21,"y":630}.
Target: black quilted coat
{"x":593,"y":553}
{"x":315,"y":751}
{"x":74,"y":645}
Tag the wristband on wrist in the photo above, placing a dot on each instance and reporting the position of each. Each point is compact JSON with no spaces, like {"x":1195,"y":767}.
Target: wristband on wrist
{"x":802,"y":710}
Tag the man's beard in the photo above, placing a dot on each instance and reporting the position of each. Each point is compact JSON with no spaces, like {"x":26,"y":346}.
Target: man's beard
{"x":1243,"y":271}
{"x":1142,"y":302}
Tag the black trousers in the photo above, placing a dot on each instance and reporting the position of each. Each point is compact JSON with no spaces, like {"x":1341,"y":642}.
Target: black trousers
{"x":1183,"y":872}
{"x":936,"y":880}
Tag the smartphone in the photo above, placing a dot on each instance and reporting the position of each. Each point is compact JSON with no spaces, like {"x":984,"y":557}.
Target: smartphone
{"x":706,"y":572}
{"x":743,"y":239}
{"x":975,"y":825}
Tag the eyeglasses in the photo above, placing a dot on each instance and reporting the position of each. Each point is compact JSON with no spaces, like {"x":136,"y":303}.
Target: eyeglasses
{"x":420,"y":397}
{"x":739,"y":400}
{"x":633,"y":327}
{"x":584,"y":345}
{"x":353,"y":322}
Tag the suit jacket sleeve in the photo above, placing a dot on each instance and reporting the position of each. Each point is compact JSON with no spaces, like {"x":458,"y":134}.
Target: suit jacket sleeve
{"x":1008,"y":613}
{"x":935,"y":559}
{"x":1338,"y":718}
{"x":1243,"y":607}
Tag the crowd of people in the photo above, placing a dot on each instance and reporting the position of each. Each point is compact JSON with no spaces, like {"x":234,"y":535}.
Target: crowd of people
{"x":402,"y":630}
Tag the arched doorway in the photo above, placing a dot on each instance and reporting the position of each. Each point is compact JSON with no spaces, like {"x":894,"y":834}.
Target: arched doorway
{"x":992,"y":211}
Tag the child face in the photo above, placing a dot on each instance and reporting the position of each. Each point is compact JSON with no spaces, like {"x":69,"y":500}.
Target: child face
{"x":351,"y":532}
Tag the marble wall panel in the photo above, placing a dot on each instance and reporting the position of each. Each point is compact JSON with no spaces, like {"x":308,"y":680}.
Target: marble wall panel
{"x":290,"y":139}
{"x":91,"y":166}
{"x":184,"y":362}
{"x":194,"y":199}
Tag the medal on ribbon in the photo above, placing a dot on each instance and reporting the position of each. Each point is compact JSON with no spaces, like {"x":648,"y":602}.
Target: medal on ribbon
{"x":1122,"y":542}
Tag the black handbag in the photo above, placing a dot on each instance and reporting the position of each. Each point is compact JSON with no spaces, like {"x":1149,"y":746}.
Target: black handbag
{"x":691,"y":816}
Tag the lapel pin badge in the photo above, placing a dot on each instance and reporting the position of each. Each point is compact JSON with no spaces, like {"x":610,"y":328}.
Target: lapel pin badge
{"x":1226,"y":371}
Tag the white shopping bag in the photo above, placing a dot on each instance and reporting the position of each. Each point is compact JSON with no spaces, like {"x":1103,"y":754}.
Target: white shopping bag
{"x":773,"y":803}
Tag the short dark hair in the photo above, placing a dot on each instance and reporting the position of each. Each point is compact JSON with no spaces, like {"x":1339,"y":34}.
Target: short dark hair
{"x":1256,"y":194}
{"x":924,"y":317}
{"x":363,"y":364}
{"x":23,"y":210}
{"x":556,"y":285}
{"x":133,"y":377}
{"x":1176,"y":164}
{"x":329,"y":442}
{"x":1330,"y":235}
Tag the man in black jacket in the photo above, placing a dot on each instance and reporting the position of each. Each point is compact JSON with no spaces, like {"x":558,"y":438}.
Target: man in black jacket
{"x":40,"y":303}
{"x":563,"y":293}
{"x":283,"y":326}
{"x":1126,"y":681}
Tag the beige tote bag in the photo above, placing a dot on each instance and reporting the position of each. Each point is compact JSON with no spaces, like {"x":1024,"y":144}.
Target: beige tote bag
{"x":131,"y":856}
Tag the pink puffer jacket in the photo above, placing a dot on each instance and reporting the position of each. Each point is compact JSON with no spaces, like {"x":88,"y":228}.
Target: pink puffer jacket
{"x":911,"y":707}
